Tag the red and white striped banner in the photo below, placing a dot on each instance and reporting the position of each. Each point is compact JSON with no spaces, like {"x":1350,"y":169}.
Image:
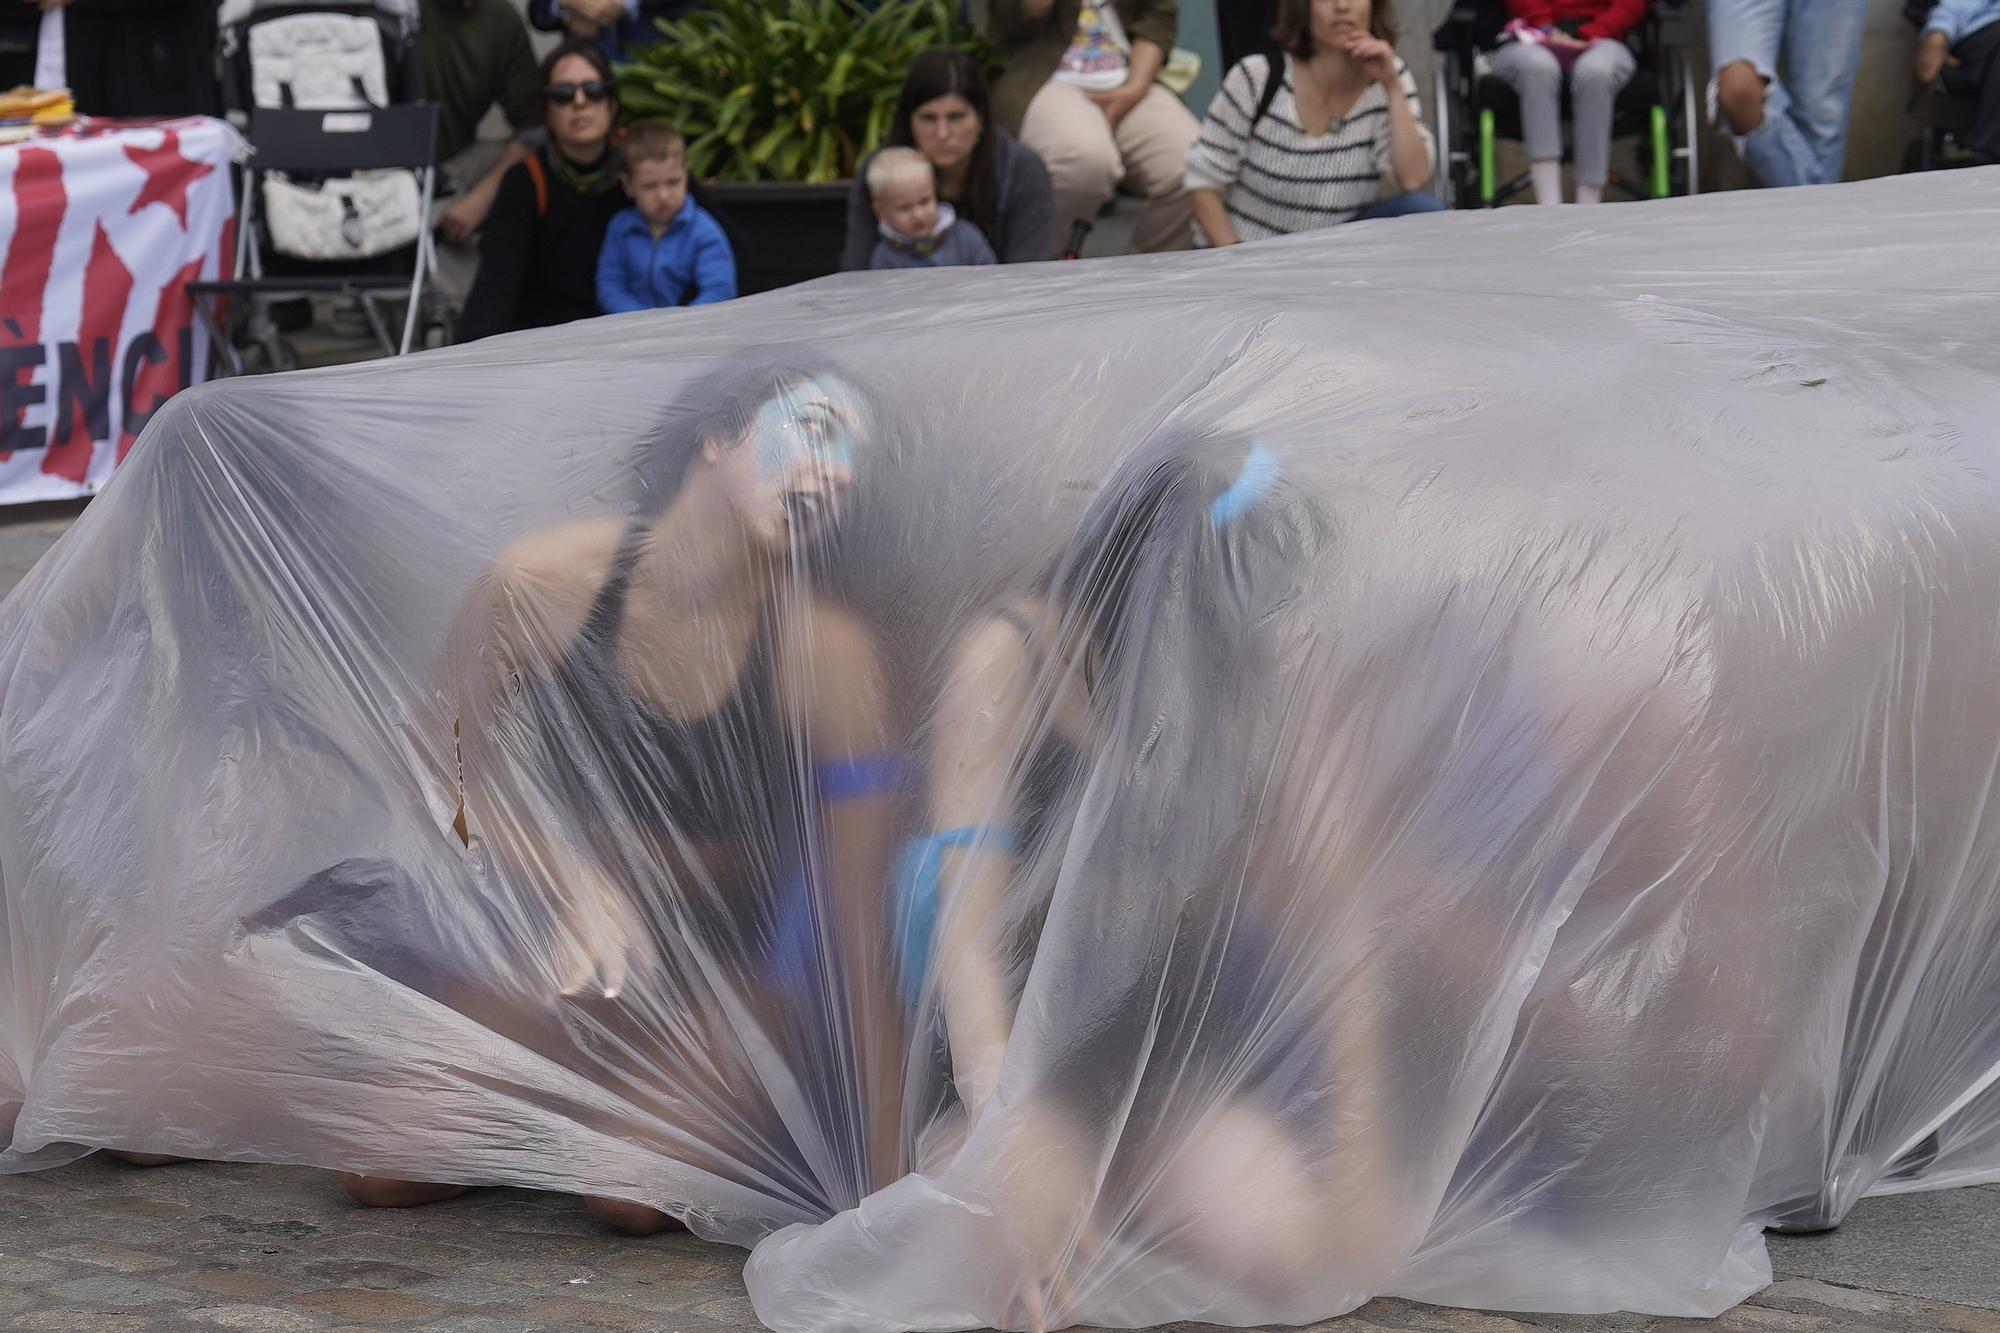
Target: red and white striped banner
{"x":102,"y":226}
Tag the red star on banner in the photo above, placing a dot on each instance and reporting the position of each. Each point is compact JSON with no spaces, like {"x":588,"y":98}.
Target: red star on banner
{"x":168,"y":175}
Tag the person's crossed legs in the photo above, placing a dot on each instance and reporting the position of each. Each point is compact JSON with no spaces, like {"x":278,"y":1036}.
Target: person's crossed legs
{"x":1154,"y":139}
{"x":1088,"y":161}
{"x":1070,"y":134}
{"x":1791,"y":131}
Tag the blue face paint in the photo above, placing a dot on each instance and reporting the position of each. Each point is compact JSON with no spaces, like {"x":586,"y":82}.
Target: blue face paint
{"x":810,"y":425}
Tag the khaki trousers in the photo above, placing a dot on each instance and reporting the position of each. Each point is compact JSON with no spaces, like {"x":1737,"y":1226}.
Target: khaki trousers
{"x":1088,"y":162}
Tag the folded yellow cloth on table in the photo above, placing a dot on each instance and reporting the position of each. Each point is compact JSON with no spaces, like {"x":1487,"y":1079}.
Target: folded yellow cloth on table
{"x":38,"y":106}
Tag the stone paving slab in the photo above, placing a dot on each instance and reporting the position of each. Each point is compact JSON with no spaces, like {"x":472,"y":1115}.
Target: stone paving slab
{"x":1941,"y":1245}
{"x":101,"y":1247}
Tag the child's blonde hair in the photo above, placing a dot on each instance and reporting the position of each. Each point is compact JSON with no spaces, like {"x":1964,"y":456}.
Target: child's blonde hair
{"x":650,"y":141}
{"x":891,"y":165}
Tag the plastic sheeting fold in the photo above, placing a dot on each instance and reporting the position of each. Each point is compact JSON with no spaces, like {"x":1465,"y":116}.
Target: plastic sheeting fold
{"x":1451,"y":758}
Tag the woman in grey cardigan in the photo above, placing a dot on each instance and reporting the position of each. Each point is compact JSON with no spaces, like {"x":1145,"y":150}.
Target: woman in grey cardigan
{"x":983,"y":172}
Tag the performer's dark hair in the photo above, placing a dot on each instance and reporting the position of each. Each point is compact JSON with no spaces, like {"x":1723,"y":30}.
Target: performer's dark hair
{"x":1177,"y":581}
{"x":588,"y":50}
{"x":1155,"y":525}
{"x":719,"y":410}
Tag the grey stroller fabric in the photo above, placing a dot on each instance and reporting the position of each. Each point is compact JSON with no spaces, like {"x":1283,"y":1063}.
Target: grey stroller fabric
{"x":1452,"y":758}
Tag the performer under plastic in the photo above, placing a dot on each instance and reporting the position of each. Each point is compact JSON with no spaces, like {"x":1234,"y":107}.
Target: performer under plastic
{"x":1454,"y":759}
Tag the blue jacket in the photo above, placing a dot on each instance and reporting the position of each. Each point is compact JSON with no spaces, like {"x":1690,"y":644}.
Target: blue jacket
{"x":617,"y":41}
{"x":1959,"y":19}
{"x":690,"y":264}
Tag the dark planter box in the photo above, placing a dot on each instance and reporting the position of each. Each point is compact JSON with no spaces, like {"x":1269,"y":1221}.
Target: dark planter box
{"x":785,"y":233}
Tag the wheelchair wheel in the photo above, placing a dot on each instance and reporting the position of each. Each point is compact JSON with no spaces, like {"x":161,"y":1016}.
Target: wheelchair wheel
{"x":1445,"y":178}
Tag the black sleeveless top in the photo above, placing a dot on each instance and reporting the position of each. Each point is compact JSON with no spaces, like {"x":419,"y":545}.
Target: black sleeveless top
{"x":1051,"y":769}
{"x":719,"y":778}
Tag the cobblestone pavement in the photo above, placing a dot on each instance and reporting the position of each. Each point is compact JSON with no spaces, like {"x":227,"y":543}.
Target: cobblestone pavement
{"x":100,"y":1247}
{"x":26,"y":531}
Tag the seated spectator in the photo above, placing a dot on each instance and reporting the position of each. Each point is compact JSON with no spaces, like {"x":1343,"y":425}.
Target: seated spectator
{"x":917,"y":231}
{"x":983,"y":172}
{"x":474,"y":55}
{"x":1585,"y":40}
{"x":1310,"y":149}
{"x":1967,"y":33}
{"x":616,"y":25}
{"x":538,"y":258}
{"x":1794,"y":131}
{"x":665,"y":250}
{"x":1079,"y":86}
{"x":139,"y":57}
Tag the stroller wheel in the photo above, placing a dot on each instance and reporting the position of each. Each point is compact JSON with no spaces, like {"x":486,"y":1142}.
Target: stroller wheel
{"x":292,"y":315}
{"x":441,"y":331}
{"x":270,"y":354}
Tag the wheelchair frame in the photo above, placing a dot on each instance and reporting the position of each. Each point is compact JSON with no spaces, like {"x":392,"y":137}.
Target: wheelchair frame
{"x":1950,"y":105}
{"x":1468,"y":134}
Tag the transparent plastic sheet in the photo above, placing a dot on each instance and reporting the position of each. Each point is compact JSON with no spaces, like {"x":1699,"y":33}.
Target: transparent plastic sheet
{"x":1451,"y":758}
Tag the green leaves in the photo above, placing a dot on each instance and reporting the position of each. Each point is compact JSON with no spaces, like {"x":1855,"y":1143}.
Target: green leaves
{"x":784,"y":90}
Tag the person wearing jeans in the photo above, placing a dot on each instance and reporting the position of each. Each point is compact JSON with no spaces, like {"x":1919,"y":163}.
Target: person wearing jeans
{"x":1078,"y":82}
{"x":1967,"y":33}
{"x":1790,"y":130}
{"x":1586,"y":38}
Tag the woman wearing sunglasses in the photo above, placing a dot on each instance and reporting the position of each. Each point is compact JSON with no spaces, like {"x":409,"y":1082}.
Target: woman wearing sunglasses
{"x":538,"y":253}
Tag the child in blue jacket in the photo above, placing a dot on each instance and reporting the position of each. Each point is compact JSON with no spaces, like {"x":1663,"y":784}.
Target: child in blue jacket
{"x":666,"y":250}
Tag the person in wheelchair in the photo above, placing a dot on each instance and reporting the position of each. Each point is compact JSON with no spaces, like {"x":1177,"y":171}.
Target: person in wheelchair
{"x":1966,"y":33}
{"x":1582,"y":41}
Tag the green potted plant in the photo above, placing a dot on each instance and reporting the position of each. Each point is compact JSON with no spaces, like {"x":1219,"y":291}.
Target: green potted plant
{"x":780,"y":100}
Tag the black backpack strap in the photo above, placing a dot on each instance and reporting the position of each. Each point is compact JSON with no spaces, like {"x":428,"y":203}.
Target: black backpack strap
{"x":1273,"y":80}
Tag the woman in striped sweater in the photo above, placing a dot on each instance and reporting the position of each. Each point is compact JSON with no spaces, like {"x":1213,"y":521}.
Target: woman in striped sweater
{"x":1314,"y":150}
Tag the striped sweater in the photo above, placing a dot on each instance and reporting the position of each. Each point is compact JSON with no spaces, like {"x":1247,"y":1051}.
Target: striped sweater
{"x":1281,"y":179}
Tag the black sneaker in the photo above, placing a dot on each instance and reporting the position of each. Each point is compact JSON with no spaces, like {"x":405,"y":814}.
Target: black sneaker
{"x":1804,"y":1217}
{"x":1917,"y":1160}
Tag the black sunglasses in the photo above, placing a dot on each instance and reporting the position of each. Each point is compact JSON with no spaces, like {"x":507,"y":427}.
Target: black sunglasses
{"x":562,"y":94}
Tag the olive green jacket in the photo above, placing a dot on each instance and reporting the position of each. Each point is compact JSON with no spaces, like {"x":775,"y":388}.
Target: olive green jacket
{"x":1032,"y":48}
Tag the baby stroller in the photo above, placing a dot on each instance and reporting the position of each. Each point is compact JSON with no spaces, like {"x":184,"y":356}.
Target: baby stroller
{"x":358,"y":233}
